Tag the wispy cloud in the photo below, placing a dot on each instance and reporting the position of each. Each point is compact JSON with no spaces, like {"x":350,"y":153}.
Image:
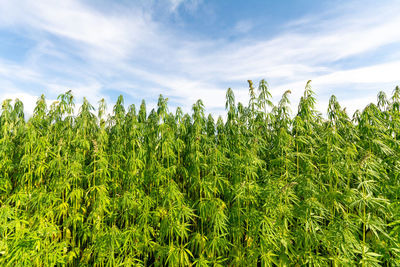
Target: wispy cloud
{"x":91,"y":51}
{"x":188,"y":4}
{"x":109,"y":35}
{"x":243,"y":26}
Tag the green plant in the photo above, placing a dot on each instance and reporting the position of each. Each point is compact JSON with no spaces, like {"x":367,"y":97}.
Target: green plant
{"x":263,"y":187}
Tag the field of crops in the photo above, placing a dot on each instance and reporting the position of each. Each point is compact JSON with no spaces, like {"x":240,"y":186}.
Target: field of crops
{"x":263,"y":187}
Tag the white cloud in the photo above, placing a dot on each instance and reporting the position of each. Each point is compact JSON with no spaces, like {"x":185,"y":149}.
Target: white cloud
{"x":106,"y":35}
{"x":9,"y":69}
{"x":380,"y":73}
{"x":132,"y":48}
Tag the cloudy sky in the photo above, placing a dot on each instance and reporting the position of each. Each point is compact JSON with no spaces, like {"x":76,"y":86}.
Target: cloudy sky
{"x":191,"y":49}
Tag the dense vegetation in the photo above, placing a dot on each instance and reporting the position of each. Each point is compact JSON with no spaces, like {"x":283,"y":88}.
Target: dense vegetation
{"x":263,"y":187}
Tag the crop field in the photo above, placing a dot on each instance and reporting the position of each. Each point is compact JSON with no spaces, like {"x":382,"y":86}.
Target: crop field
{"x":262,"y":187}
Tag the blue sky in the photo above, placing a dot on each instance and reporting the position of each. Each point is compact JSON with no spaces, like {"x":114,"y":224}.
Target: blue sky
{"x":191,"y":49}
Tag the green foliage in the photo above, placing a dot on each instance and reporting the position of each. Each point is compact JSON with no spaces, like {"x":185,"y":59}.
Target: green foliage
{"x":263,"y":188}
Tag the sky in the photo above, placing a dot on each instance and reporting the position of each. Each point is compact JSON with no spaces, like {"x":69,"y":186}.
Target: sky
{"x":197,"y":49}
